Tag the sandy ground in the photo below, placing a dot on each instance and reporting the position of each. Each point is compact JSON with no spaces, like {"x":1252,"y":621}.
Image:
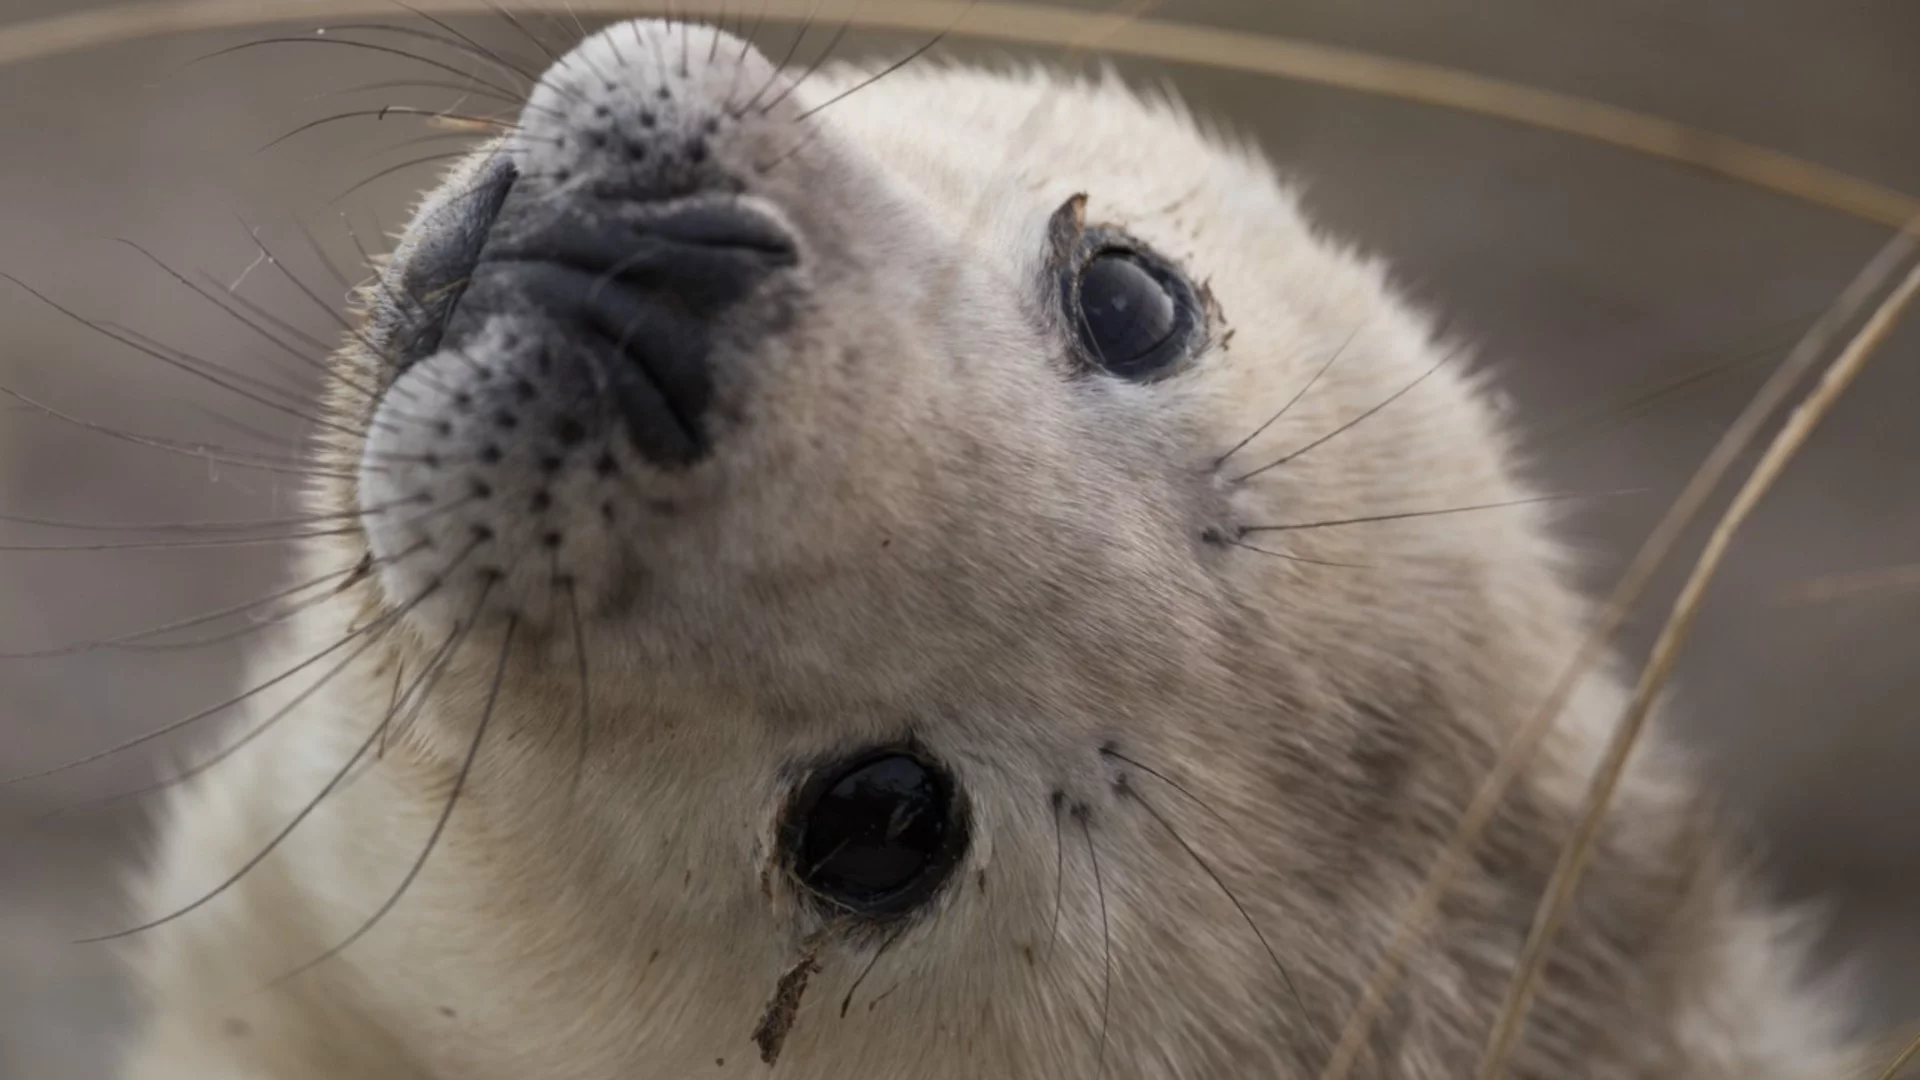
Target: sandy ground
{"x":1589,"y":276}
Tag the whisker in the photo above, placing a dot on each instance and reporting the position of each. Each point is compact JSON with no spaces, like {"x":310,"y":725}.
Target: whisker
{"x":1295,"y":400}
{"x":258,"y":330}
{"x":439,"y":827}
{"x":1058,"y":800}
{"x":207,"y":526}
{"x":1246,"y":529}
{"x":326,"y":262}
{"x":412,"y":163}
{"x":507,"y":16}
{"x":319,"y":304}
{"x":167,"y":729}
{"x":1594,"y":423}
{"x":272,"y":845}
{"x":201,"y":451}
{"x":793,"y":48}
{"x":260,"y":312}
{"x":508,"y":100}
{"x":818,"y":61}
{"x":891,"y":68}
{"x":1286,"y":976}
{"x":183,"y":545}
{"x":1080,"y":815}
{"x":126,"y":640}
{"x":1351,"y":424}
{"x":350,"y":44}
{"x":296,"y":395}
{"x":468,"y":44}
{"x":268,"y":622}
{"x":397,"y":702}
{"x":381,"y":114}
{"x":1216,"y":536}
{"x":161,"y":356}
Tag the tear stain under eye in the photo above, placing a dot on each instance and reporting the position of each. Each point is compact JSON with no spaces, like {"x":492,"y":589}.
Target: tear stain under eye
{"x":771,"y":1034}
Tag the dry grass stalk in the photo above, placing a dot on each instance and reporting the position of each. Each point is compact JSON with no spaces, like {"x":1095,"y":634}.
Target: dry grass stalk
{"x":1785,"y":446}
{"x":1906,"y":1058}
{"x":1040,"y":25}
{"x":1626,"y":595}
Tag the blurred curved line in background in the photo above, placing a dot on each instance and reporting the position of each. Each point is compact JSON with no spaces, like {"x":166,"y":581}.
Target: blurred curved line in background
{"x":1034,"y":24}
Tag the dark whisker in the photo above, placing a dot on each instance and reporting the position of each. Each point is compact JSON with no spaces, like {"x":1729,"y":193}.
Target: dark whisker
{"x":1285,"y":975}
{"x":199,"y":451}
{"x":326,"y":263}
{"x":325,"y":308}
{"x":1596,"y":422}
{"x":363,"y":45}
{"x":173,"y":362}
{"x":403,"y":166}
{"x":1115,"y":754}
{"x":243,"y":525}
{"x":453,"y":798}
{"x":1058,"y":801}
{"x":260,"y":312}
{"x":1217,"y":537}
{"x":378,"y":625}
{"x":419,"y":84}
{"x":793,"y":48}
{"x":238,"y":541}
{"x":813,"y":68}
{"x":1080,"y":815}
{"x":130,"y":639}
{"x":891,"y":68}
{"x":293,"y":397}
{"x":381,"y":114}
{"x":1295,"y":400}
{"x":507,"y":16}
{"x":285,"y":443}
{"x":494,"y":56}
{"x":272,"y":845}
{"x":1349,"y":425}
{"x":267,"y":622}
{"x":258,"y":330}
{"x":1247,"y":529}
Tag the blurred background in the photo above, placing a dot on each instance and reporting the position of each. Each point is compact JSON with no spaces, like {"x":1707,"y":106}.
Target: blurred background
{"x":1590,"y":277}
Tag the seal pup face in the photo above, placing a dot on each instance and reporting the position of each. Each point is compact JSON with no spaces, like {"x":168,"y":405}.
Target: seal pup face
{"x":967,"y":561}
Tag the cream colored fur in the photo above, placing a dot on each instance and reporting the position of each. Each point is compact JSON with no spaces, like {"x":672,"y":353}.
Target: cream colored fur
{"x":918,"y":523}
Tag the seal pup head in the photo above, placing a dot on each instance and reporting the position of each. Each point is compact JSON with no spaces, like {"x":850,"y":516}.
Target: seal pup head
{"x":982,"y":590}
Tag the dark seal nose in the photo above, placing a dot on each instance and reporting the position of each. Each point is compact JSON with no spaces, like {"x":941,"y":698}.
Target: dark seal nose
{"x":633,"y":290}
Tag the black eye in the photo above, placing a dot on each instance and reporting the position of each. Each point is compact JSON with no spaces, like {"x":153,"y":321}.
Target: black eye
{"x":876,"y":835}
{"x":1134,"y":315}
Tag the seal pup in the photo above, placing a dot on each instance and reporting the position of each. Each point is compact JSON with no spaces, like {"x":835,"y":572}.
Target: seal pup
{"x":942,"y":577}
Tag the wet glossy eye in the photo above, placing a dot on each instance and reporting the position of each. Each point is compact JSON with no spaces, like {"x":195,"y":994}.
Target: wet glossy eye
{"x":877,"y":834}
{"x":1126,"y":316}
{"x":1134,"y":315}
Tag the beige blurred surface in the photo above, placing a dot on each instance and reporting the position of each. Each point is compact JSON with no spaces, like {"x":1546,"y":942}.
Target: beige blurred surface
{"x":1589,"y":276}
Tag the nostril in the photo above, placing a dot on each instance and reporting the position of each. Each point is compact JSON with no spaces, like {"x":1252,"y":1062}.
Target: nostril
{"x":435,"y":275}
